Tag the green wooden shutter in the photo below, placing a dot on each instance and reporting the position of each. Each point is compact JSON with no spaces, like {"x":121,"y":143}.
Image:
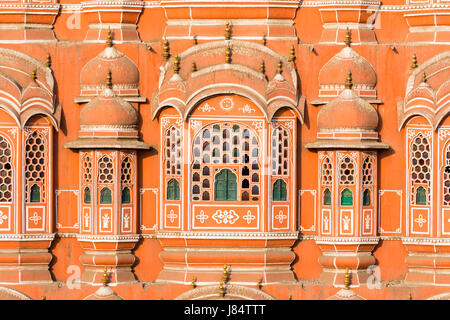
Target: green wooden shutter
{"x":346,"y":197}
{"x":421,"y":196}
{"x":225,"y":186}
{"x":126,"y":196}
{"x":173,"y":190}
{"x":35,"y":193}
{"x":327,"y":197}
{"x":279,"y":192}
{"x":105,"y":196}
{"x":220,"y":192}
{"x":231,"y":186}
{"x":87,"y":195}
{"x":366,"y":197}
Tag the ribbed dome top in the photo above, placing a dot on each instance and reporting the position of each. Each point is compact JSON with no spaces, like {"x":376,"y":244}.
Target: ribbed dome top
{"x":347,"y":60}
{"x":348,"y":111}
{"x":123,"y":70}
{"x":108,"y":110}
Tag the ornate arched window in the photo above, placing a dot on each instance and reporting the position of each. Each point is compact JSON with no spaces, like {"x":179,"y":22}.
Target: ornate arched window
{"x":233,"y":148}
{"x":126,"y":180}
{"x":367,"y":179}
{"x":446,"y":178}
{"x":35,"y":167}
{"x":420,"y":173}
{"x":327,"y":172}
{"x":279,"y":163}
{"x":105,"y":179}
{"x":172,"y":160}
{"x":280,"y":152}
{"x":6,"y":171}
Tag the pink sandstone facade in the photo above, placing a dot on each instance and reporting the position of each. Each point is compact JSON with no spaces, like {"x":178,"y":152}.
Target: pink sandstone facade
{"x":190,"y":149}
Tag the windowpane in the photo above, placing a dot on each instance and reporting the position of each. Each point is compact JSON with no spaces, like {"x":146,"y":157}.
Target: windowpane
{"x":173,"y":190}
{"x":126,"y":195}
{"x":279,"y":192}
{"x":87,"y":195}
{"x":327,"y":197}
{"x":346,"y":197}
{"x":421,"y":196}
{"x":105,"y":196}
{"x":6,"y":171}
{"x":35,"y":195}
{"x":366,"y":197}
{"x":35,"y":168}
{"x":225,"y":186}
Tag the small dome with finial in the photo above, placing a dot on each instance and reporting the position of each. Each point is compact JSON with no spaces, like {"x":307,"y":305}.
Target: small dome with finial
{"x":364,"y":75}
{"x":123,"y":70}
{"x":348,"y":111}
{"x":108,"y":109}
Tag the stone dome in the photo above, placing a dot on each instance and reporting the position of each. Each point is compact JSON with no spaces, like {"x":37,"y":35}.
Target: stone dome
{"x":364,"y":76}
{"x":109,"y":110}
{"x":124,"y":72}
{"x":348,"y":111}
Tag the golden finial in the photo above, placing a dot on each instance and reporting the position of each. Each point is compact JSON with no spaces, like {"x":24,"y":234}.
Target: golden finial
{"x":33,"y":75}
{"x":348,"y":40}
{"x":347,"y":279}
{"x":105,"y":277}
{"x":290,"y":297}
{"x":221,"y":289}
{"x":280,"y":67}
{"x":48,"y":60}
{"x":259,"y":283}
{"x":227,"y":30}
{"x":109,"y":79}
{"x":109,"y":38}
{"x":44,"y":298}
{"x":228,"y":55}
{"x":264,"y":39}
{"x":414,"y":62}
{"x":292,"y":54}
{"x":176,"y":64}
{"x":194,"y":67}
{"x":349,"y":81}
{"x":166,"y":53}
{"x":424,"y":77}
{"x":262,"y":68}
{"x":194,"y":279}
{"x":225,"y":274}
{"x":410,"y":296}
{"x":195,"y":39}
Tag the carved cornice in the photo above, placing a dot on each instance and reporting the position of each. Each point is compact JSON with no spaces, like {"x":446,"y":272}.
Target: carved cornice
{"x":349,"y":240}
{"x":227,"y":235}
{"x":108,"y":238}
{"x":426,"y":241}
{"x":27,"y":237}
